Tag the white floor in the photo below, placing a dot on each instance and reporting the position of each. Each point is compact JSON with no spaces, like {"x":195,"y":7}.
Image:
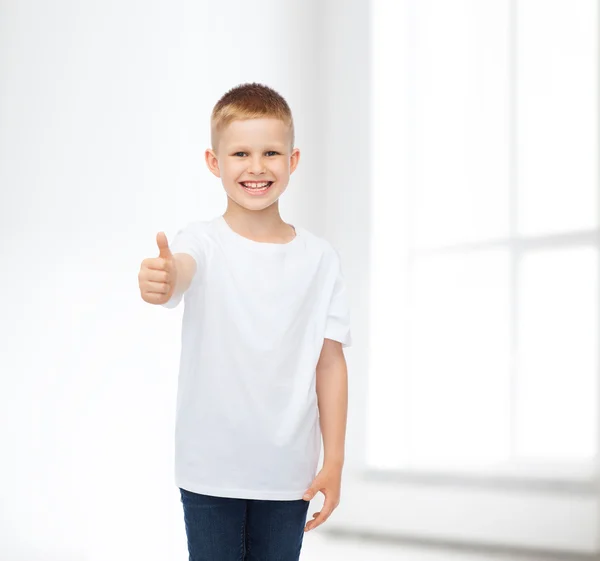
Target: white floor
{"x":324,"y":547}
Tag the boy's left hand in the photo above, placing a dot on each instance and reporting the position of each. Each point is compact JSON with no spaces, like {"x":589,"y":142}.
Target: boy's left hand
{"x":329,"y":482}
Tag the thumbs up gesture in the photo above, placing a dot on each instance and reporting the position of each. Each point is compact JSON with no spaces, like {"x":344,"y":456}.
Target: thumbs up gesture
{"x":158,"y":275}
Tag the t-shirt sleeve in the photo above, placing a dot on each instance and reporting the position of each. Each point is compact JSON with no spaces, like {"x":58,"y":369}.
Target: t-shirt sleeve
{"x":190,"y":240}
{"x":337,"y":326}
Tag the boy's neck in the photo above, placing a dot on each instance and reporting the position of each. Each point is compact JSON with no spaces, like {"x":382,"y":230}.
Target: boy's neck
{"x":260,"y":226}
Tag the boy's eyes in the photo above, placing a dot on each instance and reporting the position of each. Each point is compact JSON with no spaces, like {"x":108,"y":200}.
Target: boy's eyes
{"x":269,"y":152}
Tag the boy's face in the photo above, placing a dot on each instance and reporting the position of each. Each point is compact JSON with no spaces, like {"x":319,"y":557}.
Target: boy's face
{"x":254,"y":150}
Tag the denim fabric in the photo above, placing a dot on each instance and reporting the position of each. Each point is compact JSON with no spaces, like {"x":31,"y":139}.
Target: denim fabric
{"x":228,"y":529}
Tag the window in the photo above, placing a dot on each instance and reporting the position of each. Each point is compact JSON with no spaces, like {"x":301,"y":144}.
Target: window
{"x":484,"y":308}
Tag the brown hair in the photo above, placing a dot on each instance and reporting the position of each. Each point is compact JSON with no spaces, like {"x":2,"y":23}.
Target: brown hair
{"x":249,"y":101}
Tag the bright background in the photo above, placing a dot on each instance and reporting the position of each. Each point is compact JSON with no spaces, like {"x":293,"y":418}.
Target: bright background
{"x":449,"y":150}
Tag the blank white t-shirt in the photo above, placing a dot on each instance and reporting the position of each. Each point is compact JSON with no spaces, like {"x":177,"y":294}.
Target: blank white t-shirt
{"x":254,"y":321}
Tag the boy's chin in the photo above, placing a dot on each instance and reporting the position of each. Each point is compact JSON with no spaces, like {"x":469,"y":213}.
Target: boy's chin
{"x":253,"y":202}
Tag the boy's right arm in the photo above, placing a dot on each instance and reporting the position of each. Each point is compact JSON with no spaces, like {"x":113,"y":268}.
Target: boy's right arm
{"x":164,"y":279}
{"x":186,"y":269}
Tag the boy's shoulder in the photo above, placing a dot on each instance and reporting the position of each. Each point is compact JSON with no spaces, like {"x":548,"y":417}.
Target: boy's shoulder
{"x":200,"y":229}
{"x":200,"y":225}
{"x":319,"y":242}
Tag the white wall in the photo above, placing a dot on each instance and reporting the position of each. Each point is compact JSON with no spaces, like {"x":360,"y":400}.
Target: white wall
{"x":345,"y":74}
{"x":104,"y":112}
{"x":503,"y":512}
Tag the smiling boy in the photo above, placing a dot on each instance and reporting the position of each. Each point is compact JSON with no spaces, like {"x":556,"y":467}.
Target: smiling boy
{"x":262,"y":372}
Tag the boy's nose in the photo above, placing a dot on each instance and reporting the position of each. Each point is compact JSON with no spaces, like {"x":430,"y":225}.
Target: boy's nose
{"x":257,"y":167}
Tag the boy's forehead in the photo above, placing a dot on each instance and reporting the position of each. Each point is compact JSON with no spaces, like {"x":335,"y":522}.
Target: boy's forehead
{"x":256,"y":134}
{"x":256,"y":130}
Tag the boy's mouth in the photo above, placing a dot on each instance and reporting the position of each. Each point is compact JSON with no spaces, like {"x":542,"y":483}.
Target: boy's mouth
{"x":256,"y":187}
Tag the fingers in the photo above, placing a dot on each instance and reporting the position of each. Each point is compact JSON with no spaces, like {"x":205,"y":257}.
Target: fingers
{"x":154,"y":283}
{"x":157,"y":264}
{"x":321,"y":516}
{"x":158,"y":275}
{"x":163,"y":246}
{"x":155,"y":271}
{"x":318,"y":519}
{"x":156,"y":287}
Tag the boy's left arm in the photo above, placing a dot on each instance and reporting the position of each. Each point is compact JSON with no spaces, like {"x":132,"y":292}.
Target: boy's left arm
{"x":332,"y":394}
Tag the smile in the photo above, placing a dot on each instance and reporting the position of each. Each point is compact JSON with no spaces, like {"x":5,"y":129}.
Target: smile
{"x":255,"y":187}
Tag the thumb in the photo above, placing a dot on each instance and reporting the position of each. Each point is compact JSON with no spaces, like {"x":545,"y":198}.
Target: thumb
{"x":310,"y":493}
{"x":163,"y":246}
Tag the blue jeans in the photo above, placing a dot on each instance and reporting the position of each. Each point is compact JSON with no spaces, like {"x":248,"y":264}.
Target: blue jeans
{"x":228,"y":529}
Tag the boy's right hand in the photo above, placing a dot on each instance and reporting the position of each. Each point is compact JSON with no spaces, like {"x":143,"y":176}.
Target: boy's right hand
{"x":158,"y":275}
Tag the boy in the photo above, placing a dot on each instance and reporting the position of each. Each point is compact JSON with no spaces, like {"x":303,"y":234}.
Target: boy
{"x":262,"y":371}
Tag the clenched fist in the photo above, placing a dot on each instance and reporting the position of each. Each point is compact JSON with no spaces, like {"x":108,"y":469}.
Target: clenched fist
{"x":158,"y":275}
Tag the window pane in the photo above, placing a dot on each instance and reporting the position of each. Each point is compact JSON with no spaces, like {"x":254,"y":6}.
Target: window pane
{"x":558,"y":368}
{"x":557,"y":76}
{"x":459,"y":130}
{"x":459,"y":383}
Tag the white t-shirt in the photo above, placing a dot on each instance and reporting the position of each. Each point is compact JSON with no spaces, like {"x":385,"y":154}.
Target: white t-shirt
{"x":255,"y":316}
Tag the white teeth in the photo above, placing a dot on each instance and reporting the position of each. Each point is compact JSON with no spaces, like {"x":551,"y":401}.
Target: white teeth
{"x":255,"y":185}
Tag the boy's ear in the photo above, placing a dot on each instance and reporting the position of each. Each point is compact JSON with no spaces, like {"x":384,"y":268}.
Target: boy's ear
{"x":212,"y":162}
{"x":294,"y":159}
